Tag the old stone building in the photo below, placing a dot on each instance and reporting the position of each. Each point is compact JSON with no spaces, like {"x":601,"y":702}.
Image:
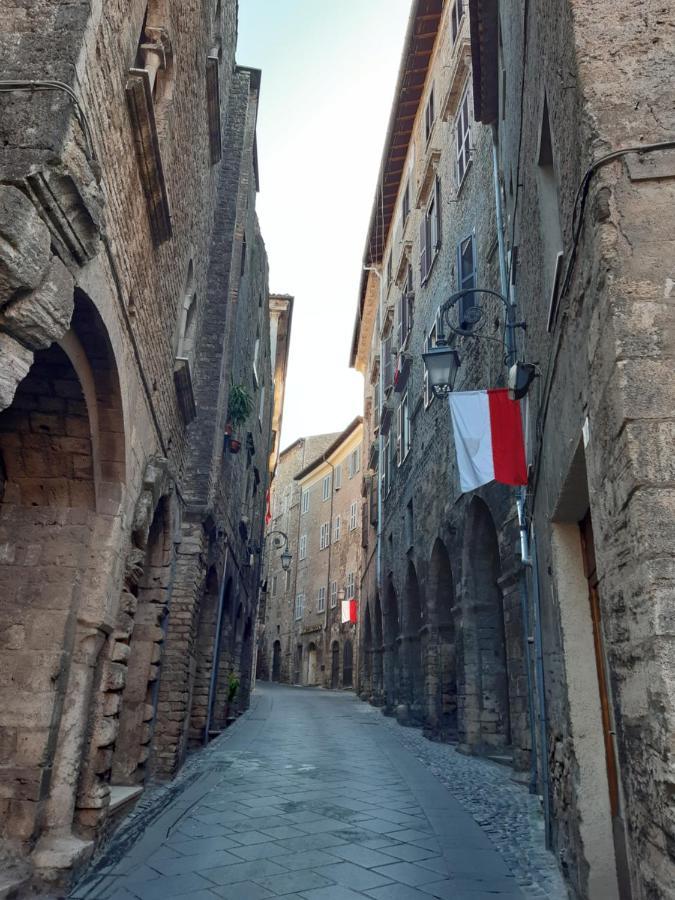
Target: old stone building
{"x":530,"y":153}
{"x":134,"y":306}
{"x":317,"y":504}
{"x":441,"y":629}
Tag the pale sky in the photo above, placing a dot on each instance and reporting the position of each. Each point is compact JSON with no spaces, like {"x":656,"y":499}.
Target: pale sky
{"x":329,"y":70}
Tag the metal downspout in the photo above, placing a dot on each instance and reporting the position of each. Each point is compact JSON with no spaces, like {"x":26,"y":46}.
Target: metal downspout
{"x":216,"y":648}
{"x":521,"y":493}
{"x":543,"y":719}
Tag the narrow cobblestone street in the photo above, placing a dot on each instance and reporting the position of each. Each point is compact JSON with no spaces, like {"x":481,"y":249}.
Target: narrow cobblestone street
{"x":313,"y":794}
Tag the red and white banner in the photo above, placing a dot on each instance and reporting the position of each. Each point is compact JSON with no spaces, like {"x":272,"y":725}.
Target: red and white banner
{"x":348,"y":611}
{"x":488,"y":438}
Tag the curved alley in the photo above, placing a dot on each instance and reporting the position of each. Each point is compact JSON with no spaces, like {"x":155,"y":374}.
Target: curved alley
{"x":315,"y":795}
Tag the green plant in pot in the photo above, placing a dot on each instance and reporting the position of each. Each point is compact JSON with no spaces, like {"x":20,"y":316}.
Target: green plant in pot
{"x":239,"y":408}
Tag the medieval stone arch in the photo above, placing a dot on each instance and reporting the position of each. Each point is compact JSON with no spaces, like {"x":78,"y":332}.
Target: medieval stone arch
{"x":62,"y":458}
{"x":391,"y":632}
{"x":413,"y":693}
{"x":485,"y":687}
{"x":441,"y":660}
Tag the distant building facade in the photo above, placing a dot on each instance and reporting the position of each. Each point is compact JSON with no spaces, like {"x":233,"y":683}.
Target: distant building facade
{"x":317,"y":502}
{"x":530,"y":624}
{"x":133,"y":295}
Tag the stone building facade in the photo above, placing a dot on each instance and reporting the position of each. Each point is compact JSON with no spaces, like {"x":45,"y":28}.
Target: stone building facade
{"x":442,"y":640}
{"x":133,"y":294}
{"x":317,"y":502}
{"x":533,"y":624}
{"x":594,"y":228}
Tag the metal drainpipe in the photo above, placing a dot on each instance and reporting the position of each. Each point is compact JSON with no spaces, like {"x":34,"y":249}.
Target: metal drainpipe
{"x":520,"y":500}
{"x":216,"y":648}
{"x":543,"y":720}
{"x":330,"y":544}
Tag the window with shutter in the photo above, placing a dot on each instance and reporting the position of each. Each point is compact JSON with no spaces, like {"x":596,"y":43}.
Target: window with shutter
{"x":463,"y":138}
{"x":429,"y":115}
{"x":439,"y":216}
{"x":387,"y":353}
{"x":456,"y":17}
{"x":405,"y":204}
{"x":423,"y":249}
{"x":466,"y":268}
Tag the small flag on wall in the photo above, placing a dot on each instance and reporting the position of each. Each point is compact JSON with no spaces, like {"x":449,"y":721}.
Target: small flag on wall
{"x":488,"y":438}
{"x":268,"y":511}
{"x":348,"y":611}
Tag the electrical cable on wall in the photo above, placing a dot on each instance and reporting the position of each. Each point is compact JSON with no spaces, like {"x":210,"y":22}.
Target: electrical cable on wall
{"x":32,"y":87}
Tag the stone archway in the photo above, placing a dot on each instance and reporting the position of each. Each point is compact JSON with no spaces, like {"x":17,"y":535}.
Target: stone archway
{"x":377,"y":695}
{"x":367,"y":655}
{"x":413,"y":675}
{"x":391,"y":630}
{"x":138,"y":709}
{"x":205,"y":650}
{"x":62,"y":469}
{"x":441,"y":656}
{"x":335,"y":665}
{"x":276,"y":661}
{"x":486,"y":680}
{"x":347,"y":664}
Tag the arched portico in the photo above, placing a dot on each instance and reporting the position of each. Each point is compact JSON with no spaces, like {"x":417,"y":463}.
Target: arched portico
{"x":486,"y":720}
{"x":392,"y":630}
{"x":441,"y":657}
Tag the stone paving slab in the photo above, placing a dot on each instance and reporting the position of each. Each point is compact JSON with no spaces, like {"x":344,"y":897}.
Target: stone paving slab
{"x":298,"y":800}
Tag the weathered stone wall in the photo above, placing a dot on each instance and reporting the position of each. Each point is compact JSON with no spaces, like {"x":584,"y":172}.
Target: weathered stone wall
{"x":120,"y":221}
{"x":599,"y":71}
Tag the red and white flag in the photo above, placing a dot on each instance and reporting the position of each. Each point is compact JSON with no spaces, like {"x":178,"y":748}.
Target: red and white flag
{"x":268,"y":508}
{"x":348,"y":611}
{"x":488,"y":438}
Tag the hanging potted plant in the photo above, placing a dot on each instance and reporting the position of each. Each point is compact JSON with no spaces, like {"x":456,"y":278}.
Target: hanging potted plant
{"x":239,"y":408}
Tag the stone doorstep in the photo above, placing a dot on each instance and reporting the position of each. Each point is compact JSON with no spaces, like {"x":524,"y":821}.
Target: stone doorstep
{"x":122,"y":796}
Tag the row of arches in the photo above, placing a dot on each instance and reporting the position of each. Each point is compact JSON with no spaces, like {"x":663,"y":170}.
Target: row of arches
{"x":90,"y":588}
{"x":333,"y":669}
{"x":438,"y":656}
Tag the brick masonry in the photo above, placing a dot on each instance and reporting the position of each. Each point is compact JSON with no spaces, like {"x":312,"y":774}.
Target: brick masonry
{"x":122,"y":510}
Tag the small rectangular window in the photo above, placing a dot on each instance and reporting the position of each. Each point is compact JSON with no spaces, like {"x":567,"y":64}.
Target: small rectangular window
{"x":353,"y":515}
{"x":324,"y":536}
{"x":274,"y":585}
{"x":299,"y":606}
{"x":429,"y":115}
{"x":321,"y":600}
{"x":288,"y":582}
{"x":333,"y":594}
{"x":304,"y":503}
{"x":336,"y":529}
{"x":337,"y":478}
{"x":463,"y":138}
{"x":302,"y":547}
{"x":403,"y":429}
{"x":466,"y":277}
{"x":405,"y":204}
{"x":350,"y":591}
{"x":326,"y":488}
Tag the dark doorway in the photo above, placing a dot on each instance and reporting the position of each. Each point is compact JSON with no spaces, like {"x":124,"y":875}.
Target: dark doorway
{"x":347,"y":664}
{"x":335,"y":665}
{"x":276,"y":661}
